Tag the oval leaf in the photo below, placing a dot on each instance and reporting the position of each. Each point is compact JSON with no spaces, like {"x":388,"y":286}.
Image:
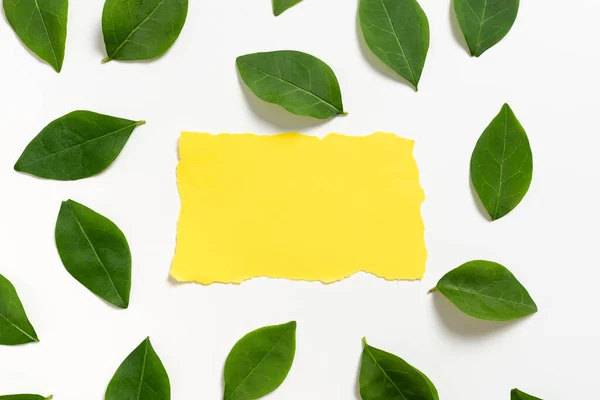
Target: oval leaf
{"x":516,"y":394}
{"x":397,"y":32}
{"x":486,"y":290}
{"x":24,"y":397}
{"x":259,"y":363}
{"x":141,"y":376}
{"x":299,"y":82}
{"x":280,"y":6}
{"x":42,"y":27}
{"x":141,"y":30}
{"x":75,"y":146}
{"x":385,"y":376}
{"x":95,"y":252}
{"x":484,"y":23}
{"x":502,"y":164}
{"x":15,"y":327}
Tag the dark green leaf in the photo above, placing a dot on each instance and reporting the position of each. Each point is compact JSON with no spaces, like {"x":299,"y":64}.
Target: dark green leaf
{"x":259,"y":363}
{"x":42,"y":27}
{"x":502,"y":164}
{"x":299,"y":82}
{"x":75,"y":146}
{"x":384,"y":376}
{"x":397,"y":32}
{"x":141,"y":376}
{"x":24,"y":397}
{"x":15,"y":327}
{"x":516,"y":394}
{"x":279,"y":6}
{"x":485,"y":22}
{"x":95,"y":252}
{"x":486,"y":290}
{"x":141,"y":30}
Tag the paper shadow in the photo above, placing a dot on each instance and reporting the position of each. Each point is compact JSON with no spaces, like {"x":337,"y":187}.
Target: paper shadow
{"x":478,"y":203}
{"x":456,"y":31}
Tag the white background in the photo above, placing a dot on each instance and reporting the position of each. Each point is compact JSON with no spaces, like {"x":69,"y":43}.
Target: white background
{"x":547,"y":69}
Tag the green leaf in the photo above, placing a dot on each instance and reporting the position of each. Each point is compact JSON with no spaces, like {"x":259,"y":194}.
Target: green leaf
{"x":299,"y":82}
{"x":280,"y":6}
{"x":141,"y":376}
{"x":485,"y":22}
{"x":42,"y":27}
{"x":15,"y":327}
{"x":141,"y":30}
{"x":486,"y":290}
{"x":384,"y":376}
{"x":259,"y":362}
{"x":516,"y":394}
{"x":24,"y":397}
{"x":397,"y":32}
{"x":502,"y":164}
{"x":75,"y":146}
{"x":95,"y":252}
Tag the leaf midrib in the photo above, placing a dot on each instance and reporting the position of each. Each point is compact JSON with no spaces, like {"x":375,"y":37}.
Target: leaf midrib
{"x":368,"y":349}
{"x":39,"y":10}
{"x":20,"y":330}
{"x":143,"y":369}
{"x":481,"y":22}
{"x":502,"y":164}
{"x":475,"y":293}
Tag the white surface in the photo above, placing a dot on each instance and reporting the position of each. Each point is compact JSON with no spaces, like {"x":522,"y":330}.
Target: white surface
{"x":546,"y":69}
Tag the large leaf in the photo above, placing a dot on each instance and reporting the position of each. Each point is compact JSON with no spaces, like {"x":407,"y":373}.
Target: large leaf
{"x":95,"y":252}
{"x":141,"y":376}
{"x":259,"y":363}
{"x":24,"y":397}
{"x":42,"y":27}
{"x":15,"y":327}
{"x":75,"y":146}
{"x":299,"y":82}
{"x":486,"y":290}
{"x":141,"y":29}
{"x":485,"y":22}
{"x":384,"y":376}
{"x":502,"y":164}
{"x":280,"y":6}
{"x":397,"y":32}
{"x":516,"y":394}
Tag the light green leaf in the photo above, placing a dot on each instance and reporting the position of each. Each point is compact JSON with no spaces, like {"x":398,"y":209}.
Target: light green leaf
{"x":397,"y":32}
{"x":24,"y":397}
{"x":42,"y":27}
{"x":95,"y":252}
{"x":502,"y":164}
{"x":141,"y":376}
{"x":15,"y":327}
{"x":280,"y":6}
{"x":486,"y":290}
{"x":516,"y":394}
{"x":485,"y":22}
{"x":259,"y":362}
{"x":299,"y":82}
{"x":141,"y":30}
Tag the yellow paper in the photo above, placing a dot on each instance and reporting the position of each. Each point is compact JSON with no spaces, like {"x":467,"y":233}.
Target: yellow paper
{"x":298,"y":207}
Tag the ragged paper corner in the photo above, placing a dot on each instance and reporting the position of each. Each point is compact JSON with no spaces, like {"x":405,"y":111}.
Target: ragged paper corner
{"x":298,"y":207}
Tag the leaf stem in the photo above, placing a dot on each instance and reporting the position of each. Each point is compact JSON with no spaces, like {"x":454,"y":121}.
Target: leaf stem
{"x":432,"y":290}
{"x":139,"y":123}
{"x":105,"y":60}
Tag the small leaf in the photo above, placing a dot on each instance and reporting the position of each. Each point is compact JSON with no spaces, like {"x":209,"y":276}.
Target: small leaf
{"x":516,"y":394}
{"x":280,"y":6}
{"x":15,"y":327}
{"x":397,"y":32}
{"x":259,"y":363}
{"x":384,"y":376}
{"x":141,"y":376}
{"x":484,"y":22}
{"x":299,"y":82}
{"x":95,"y":252}
{"x":486,"y":290}
{"x":75,"y":146}
{"x":42,"y":27}
{"x":502,"y":164}
{"x":141,"y":30}
{"x":24,"y":397}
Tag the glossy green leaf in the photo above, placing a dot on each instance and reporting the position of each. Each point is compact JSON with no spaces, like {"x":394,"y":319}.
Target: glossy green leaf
{"x":95,"y":252}
{"x":141,"y":376}
{"x":259,"y":362}
{"x":24,"y":397}
{"x":141,"y":29}
{"x":15,"y":327}
{"x":397,"y":32}
{"x":502,"y":164}
{"x":516,"y":394}
{"x":486,"y":290}
{"x":485,"y":22}
{"x":384,"y":376}
{"x":42,"y":27}
{"x":299,"y":82}
{"x":75,"y":146}
{"x":280,"y":6}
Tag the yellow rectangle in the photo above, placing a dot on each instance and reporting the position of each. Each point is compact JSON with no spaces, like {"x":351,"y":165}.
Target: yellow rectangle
{"x":298,"y":207}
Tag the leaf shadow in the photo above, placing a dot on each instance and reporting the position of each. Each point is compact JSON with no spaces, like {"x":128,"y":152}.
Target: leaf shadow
{"x":477,"y":201}
{"x":357,"y":384}
{"x":456,"y":31}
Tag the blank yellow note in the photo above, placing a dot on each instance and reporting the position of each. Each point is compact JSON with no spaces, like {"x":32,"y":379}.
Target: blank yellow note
{"x":298,"y":207}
